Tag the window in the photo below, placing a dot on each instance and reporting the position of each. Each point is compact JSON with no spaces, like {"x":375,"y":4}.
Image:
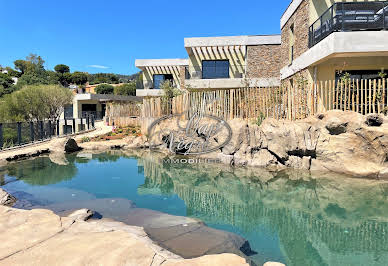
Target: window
{"x":215,"y":69}
{"x":358,"y":74}
{"x":160,"y":78}
{"x":68,"y":111}
{"x":292,"y":44}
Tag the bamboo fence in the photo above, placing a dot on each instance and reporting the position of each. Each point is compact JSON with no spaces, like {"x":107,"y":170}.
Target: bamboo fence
{"x":285,"y":102}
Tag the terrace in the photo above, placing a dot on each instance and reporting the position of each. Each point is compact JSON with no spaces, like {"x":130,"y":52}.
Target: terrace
{"x":351,"y":16}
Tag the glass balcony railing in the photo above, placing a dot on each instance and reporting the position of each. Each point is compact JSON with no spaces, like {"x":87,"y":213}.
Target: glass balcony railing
{"x":234,"y":71}
{"x":351,"y":16}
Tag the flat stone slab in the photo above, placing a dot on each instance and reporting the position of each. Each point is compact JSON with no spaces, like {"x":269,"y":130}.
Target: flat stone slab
{"x":40,"y":237}
{"x":196,"y":239}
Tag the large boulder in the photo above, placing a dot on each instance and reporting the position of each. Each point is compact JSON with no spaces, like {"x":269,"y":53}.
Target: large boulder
{"x":6,"y":199}
{"x":67,"y":145}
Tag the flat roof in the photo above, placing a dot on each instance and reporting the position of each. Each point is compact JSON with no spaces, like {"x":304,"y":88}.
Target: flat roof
{"x":161,"y":62}
{"x":233,"y":40}
{"x":106,"y":97}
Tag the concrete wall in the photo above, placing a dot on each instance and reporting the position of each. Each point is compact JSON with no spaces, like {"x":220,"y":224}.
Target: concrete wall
{"x":327,"y":70}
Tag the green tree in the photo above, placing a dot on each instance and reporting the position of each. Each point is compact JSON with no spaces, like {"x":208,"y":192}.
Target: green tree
{"x":35,"y":102}
{"x":100,"y":78}
{"x":126,"y":89}
{"x":79,"y":78}
{"x":21,"y":65}
{"x":62,"y":69}
{"x":104,"y":89}
{"x":6,"y":84}
{"x":31,"y":78}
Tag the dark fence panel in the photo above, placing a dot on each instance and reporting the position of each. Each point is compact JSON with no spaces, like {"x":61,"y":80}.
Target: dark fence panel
{"x":23,"y":133}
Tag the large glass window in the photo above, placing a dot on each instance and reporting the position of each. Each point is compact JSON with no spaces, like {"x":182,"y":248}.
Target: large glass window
{"x":160,"y":78}
{"x":215,"y":69}
{"x":359,"y":74}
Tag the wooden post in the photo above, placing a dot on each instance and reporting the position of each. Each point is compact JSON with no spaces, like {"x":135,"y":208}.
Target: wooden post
{"x":358,"y":96}
{"x":374,"y":97}
{"x":346,"y":87}
{"x":370,"y":96}
{"x":353,"y":103}
{"x":1,"y":137}
{"x":379,"y":97}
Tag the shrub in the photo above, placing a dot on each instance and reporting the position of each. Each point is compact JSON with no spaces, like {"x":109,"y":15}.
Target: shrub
{"x":126,"y":89}
{"x":104,"y":89}
{"x":35,"y":102}
{"x":85,"y":139}
{"x":260,"y":119}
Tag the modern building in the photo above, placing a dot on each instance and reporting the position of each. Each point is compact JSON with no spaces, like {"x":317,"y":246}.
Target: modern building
{"x":155,"y":71}
{"x":323,"y":39}
{"x":216,"y":63}
{"x":93,"y":105}
{"x":232,"y":62}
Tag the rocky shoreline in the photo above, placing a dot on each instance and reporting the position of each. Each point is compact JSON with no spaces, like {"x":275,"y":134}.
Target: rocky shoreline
{"x":341,"y":142}
{"x":41,"y":237}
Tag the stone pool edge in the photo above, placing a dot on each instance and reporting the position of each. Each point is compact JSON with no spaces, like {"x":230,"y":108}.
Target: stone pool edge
{"x":41,"y":237}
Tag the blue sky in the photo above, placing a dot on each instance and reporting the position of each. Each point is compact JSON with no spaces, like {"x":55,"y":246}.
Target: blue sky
{"x":107,"y":36}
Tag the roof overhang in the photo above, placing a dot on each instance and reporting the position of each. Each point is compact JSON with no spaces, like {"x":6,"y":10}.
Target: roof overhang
{"x":143,"y":63}
{"x":243,"y":40}
{"x":105,"y":97}
{"x":289,"y":12}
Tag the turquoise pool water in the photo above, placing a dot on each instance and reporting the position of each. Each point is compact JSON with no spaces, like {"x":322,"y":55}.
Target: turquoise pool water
{"x":291,"y":217}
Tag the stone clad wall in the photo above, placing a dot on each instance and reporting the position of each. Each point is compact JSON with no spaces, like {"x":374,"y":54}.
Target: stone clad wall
{"x":263,"y":61}
{"x":301,"y":22}
{"x":182,"y":77}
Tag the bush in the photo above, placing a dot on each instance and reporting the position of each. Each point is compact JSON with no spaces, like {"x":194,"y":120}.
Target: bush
{"x":104,"y":89}
{"x":260,"y":119}
{"x":35,"y":102}
{"x":85,"y":139}
{"x":126,"y":89}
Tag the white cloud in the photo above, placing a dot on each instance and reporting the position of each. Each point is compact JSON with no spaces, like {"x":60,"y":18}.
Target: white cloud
{"x":98,"y":66}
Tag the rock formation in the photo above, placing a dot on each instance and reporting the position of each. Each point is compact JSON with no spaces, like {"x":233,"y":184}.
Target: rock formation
{"x":6,"y":199}
{"x":338,"y":141}
{"x":40,"y":237}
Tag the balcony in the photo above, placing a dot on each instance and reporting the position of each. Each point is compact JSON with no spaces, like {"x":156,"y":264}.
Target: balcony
{"x":351,"y":16}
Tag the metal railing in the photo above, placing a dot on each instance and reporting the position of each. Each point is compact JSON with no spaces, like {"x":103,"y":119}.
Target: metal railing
{"x":23,"y":133}
{"x":196,"y":72}
{"x":350,"y":16}
{"x":92,"y":114}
